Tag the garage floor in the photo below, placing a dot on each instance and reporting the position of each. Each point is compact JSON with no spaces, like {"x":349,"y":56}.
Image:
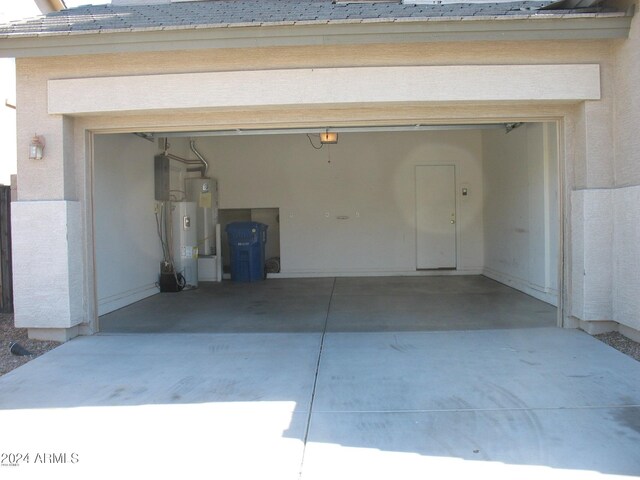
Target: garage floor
{"x":368,"y":304}
{"x":284,"y":399}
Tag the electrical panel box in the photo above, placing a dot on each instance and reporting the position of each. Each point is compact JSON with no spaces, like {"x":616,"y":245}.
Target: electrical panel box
{"x":162,"y":173}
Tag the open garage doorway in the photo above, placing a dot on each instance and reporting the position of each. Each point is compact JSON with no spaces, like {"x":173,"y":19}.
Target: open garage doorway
{"x":354,"y":227}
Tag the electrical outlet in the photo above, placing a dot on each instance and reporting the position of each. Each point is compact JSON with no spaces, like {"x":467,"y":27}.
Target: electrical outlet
{"x":156,"y":207}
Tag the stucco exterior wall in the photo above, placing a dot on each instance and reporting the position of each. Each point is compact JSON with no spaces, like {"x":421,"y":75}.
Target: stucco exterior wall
{"x":626,"y":195}
{"x":627,"y":107}
{"x":47,"y":300}
{"x":606,"y":256}
{"x":587,"y":133}
{"x":33,"y":73}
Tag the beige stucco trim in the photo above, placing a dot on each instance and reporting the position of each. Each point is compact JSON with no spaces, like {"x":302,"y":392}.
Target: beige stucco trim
{"x":325,"y":86}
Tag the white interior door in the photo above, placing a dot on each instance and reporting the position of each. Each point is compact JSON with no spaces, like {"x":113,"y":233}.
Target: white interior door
{"x":436,"y":216}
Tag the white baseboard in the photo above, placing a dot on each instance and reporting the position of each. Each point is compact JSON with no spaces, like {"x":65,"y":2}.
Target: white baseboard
{"x":120,"y":300}
{"x":550,"y":296}
{"x":629,"y":332}
{"x":597,"y":327}
{"x":376,"y":273}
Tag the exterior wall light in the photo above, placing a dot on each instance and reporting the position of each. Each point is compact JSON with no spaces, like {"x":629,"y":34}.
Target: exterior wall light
{"x":328,"y":137}
{"x":36,"y":148}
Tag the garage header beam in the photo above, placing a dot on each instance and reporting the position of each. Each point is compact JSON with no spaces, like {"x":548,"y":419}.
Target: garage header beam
{"x":322,"y":87}
{"x":317,"y":130}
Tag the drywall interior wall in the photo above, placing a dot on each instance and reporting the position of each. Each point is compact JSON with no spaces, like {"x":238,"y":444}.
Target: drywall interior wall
{"x":271,"y":218}
{"x":128,"y":252}
{"x":349,"y":208}
{"x":521,"y":208}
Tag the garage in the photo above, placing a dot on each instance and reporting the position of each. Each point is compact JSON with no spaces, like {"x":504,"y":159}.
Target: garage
{"x":410,"y":227}
{"x":476,"y":184}
{"x":516,"y":115}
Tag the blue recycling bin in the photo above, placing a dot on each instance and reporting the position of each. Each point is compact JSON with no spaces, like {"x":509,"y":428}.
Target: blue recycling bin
{"x":246,"y":247}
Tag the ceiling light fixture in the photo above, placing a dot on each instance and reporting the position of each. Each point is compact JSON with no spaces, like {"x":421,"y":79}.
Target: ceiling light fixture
{"x":328,"y":137}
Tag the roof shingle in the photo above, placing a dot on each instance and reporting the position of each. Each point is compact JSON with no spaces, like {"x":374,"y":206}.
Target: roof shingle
{"x":222,"y":13}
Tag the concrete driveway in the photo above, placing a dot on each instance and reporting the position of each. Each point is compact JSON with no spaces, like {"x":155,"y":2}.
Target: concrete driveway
{"x":512,"y":403}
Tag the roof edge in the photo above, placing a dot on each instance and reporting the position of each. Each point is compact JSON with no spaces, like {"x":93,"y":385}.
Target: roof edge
{"x":535,"y":27}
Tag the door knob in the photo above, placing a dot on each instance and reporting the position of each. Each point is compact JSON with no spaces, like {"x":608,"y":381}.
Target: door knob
{"x":453,"y":221}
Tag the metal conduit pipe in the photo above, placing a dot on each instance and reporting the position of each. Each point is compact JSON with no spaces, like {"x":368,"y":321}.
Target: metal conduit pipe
{"x":205,"y":164}
{"x":182,"y":160}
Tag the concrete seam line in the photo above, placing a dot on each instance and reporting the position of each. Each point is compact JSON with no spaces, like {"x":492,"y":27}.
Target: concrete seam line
{"x":315,"y":380}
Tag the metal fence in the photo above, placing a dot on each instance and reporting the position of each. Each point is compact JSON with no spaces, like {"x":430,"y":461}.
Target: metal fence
{"x":6,"y":276}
